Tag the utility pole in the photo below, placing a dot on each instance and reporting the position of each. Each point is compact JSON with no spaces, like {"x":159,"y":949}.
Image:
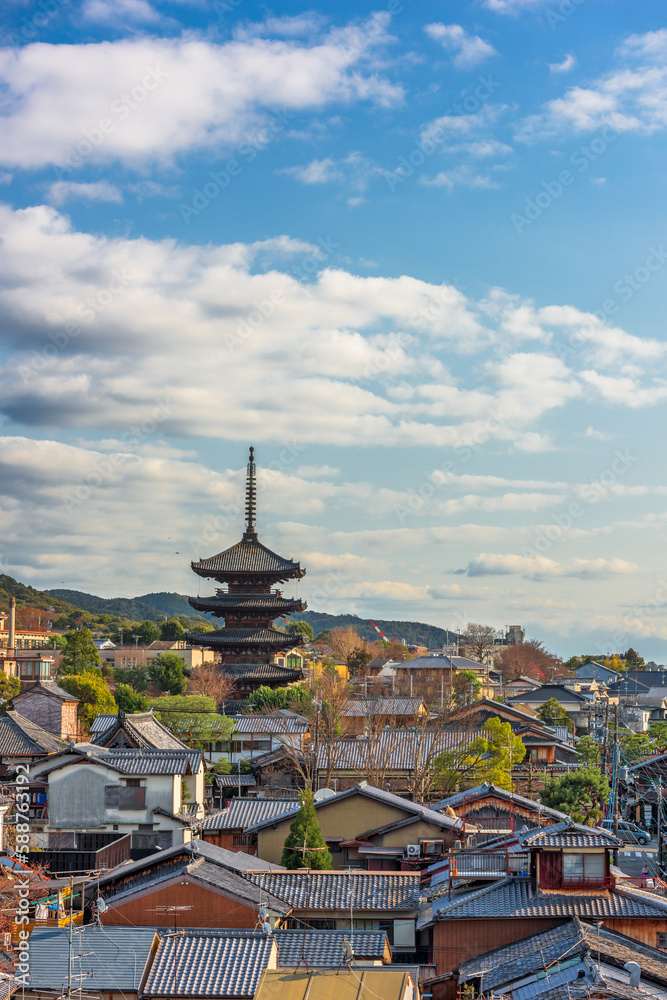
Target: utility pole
{"x":660,"y":824}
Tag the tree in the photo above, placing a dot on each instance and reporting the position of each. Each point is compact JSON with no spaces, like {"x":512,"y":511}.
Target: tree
{"x":554,"y":714}
{"x":635,"y":747}
{"x":9,"y":688}
{"x":359,"y":658}
{"x":265,"y":699}
{"x":137,"y":677}
{"x":192,"y":719}
{"x":396,"y":651}
{"x":300,"y":628}
{"x":80,"y":653}
{"x":167,"y":673}
{"x":528,"y":659}
{"x":130,"y":700}
{"x":344,"y":641}
{"x":305,"y":846}
{"x":581,"y":794}
{"x":467,"y":686}
{"x":632,"y":659}
{"x":480,"y":638}
{"x":589,"y":750}
{"x":148,"y":632}
{"x":171,"y":630}
{"x":209,"y":680}
{"x":95,"y":697}
{"x":489,"y":757}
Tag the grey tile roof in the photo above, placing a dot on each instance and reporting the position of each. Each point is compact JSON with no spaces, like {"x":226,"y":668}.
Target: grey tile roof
{"x":402,"y":749}
{"x":142,"y":728}
{"x":231,"y":859}
{"x":511,"y":897}
{"x":140,"y":761}
{"x":617,"y":949}
{"x":114,"y":958}
{"x":247,"y":556}
{"x":244,"y":813}
{"x":20,"y":737}
{"x":370,"y":792}
{"x":325,"y":948}
{"x":489,"y":790}
{"x":8,"y":985}
{"x":47,"y":687}
{"x":260,"y":672}
{"x":235,"y":780}
{"x":439,"y":663}
{"x":237,"y":883}
{"x":223,"y":600}
{"x":334,"y":890}
{"x":269,"y":724}
{"x":524,"y":957}
{"x":210,"y":964}
{"x":363,"y":707}
{"x":244,"y":636}
{"x":567,"y":835}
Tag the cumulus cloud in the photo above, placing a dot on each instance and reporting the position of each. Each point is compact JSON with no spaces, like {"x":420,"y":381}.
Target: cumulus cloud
{"x":632,"y":97}
{"x":151,"y":99}
{"x":565,"y":66}
{"x":92,"y":326}
{"x":542,"y":567}
{"x":62,"y":191}
{"x":467,"y":50}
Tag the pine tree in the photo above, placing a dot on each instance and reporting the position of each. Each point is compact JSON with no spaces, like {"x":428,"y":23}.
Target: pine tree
{"x":305,"y":846}
{"x":80,"y":655}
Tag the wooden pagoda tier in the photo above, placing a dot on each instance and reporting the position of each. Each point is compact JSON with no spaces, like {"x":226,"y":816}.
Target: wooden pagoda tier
{"x":248,"y":605}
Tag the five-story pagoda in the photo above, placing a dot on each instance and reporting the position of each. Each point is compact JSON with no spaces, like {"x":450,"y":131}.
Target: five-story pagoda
{"x":249,"y":605}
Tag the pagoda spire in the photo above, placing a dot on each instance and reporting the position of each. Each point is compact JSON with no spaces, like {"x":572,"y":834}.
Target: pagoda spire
{"x":250,"y":497}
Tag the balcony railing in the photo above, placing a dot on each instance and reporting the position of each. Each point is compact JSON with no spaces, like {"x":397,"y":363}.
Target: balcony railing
{"x":476,"y":864}
{"x":588,"y":882}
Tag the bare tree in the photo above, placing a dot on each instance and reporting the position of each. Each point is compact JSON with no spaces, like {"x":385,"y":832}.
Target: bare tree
{"x":479,"y":638}
{"x":529,"y":659}
{"x":352,"y":649}
{"x":208,"y":680}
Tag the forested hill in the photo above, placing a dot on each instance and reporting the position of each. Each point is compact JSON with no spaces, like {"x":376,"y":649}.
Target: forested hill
{"x":149,"y":607}
{"x":153,"y":607}
{"x":412,"y":632}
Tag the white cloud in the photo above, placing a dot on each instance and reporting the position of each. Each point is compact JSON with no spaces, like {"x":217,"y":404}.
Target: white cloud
{"x":119,"y":12}
{"x":467,"y":50}
{"x":315,"y":172}
{"x":565,"y":66}
{"x":62,"y":191}
{"x":514,"y":7}
{"x":542,"y":567}
{"x":630,"y":98}
{"x":149,"y":100}
{"x":461,"y":176}
{"x":91,"y":326}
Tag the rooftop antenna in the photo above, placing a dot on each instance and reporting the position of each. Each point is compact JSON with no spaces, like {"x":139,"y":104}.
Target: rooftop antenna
{"x":175,"y":910}
{"x":250,"y":497}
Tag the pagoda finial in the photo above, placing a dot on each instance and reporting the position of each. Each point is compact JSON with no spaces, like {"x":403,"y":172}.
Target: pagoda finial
{"x":250,"y":495}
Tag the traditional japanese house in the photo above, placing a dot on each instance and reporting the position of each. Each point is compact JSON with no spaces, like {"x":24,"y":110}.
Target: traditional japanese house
{"x":567,"y":873}
{"x":495,"y":811}
{"x":249,"y":605}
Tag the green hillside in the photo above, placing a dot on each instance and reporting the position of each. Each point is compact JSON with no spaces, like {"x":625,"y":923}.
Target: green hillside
{"x":152,"y":607}
{"x":413,"y":632}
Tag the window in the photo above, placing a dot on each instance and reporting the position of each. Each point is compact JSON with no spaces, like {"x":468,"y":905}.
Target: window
{"x":583,"y":869}
{"x":133,"y":782}
{"x":404,"y":934}
{"x":124,"y":797}
{"x":662,"y":939}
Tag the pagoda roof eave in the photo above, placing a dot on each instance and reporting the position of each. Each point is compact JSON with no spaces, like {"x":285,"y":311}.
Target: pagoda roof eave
{"x":251,"y":602}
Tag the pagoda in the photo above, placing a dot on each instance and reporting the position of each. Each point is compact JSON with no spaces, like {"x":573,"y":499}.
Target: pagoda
{"x":249,"y":605}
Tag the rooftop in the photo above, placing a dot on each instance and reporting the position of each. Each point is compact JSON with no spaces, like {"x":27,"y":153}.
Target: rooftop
{"x":269,"y":724}
{"x":48,"y":688}
{"x":244,"y":813}
{"x":511,"y":897}
{"x":568,"y":834}
{"x":489,"y":790}
{"x":338,"y":890}
{"x":211,"y":963}
{"x":142,"y":728}
{"x":114,"y":958}
{"x":19,"y":737}
{"x":325,"y":948}
{"x":353,"y":984}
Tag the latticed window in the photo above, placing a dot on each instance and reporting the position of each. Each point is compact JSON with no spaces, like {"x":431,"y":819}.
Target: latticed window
{"x":586,"y":869}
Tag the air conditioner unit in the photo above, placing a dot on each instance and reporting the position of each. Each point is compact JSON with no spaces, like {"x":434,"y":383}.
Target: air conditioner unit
{"x":413,"y":850}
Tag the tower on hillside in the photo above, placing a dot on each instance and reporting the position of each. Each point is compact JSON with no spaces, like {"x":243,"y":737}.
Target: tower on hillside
{"x":249,"y":605}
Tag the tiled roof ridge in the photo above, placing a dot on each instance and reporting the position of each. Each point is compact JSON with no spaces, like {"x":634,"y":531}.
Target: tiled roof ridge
{"x":478,"y":893}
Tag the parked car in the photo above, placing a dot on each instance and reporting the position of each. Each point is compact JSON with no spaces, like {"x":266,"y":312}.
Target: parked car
{"x":628,"y":832}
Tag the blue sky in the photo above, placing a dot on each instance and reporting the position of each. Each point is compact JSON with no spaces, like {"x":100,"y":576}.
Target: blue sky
{"x":415,"y":253}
